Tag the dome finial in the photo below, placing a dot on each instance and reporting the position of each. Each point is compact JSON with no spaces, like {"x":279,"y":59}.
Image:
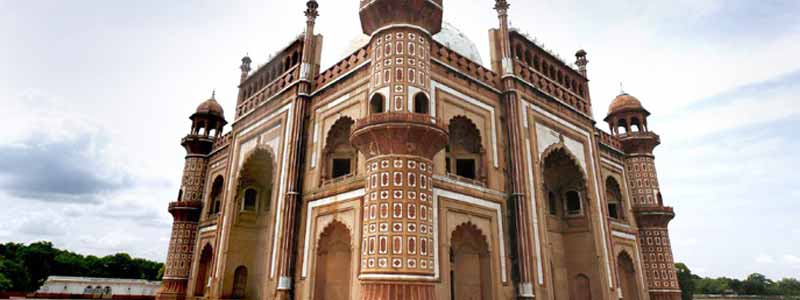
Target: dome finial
{"x":621,"y":89}
{"x":214,"y":94}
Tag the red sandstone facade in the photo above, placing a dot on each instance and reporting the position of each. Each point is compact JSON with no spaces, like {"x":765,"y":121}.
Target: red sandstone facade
{"x":408,"y":170}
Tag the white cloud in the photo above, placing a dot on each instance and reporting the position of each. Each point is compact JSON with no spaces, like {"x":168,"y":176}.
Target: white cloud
{"x":792,"y":259}
{"x":765,"y":259}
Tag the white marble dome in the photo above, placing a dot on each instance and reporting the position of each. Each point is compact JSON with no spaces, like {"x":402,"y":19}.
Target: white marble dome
{"x":450,"y":37}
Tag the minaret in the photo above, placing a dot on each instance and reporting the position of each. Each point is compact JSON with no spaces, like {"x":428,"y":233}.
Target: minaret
{"x":581,"y":62}
{"x":397,"y":247}
{"x":627,"y":119}
{"x":527,"y":248}
{"x":207,"y":124}
{"x":308,"y":69}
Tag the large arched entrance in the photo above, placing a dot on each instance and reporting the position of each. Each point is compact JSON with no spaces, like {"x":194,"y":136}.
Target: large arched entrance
{"x":252,"y":221}
{"x":569,"y":224}
{"x":202,"y":271}
{"x":627,"y":277}
{"x":334,"y":253}
{"x":470,"y":265}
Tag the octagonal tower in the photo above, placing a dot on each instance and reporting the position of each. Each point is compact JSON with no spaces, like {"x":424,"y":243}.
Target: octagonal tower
{"x":399,"y":138}
{"x":207,"y":124}
{"x":627,"y":119}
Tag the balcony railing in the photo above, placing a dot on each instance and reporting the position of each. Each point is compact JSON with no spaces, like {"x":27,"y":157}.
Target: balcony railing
{"x":399,"y":117}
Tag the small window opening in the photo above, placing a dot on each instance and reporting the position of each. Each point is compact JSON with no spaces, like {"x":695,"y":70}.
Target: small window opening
{"x":250,"y":198}
{"x":465,"y":168}
{"x":573,"y":203}
{"x":613,"y":210}
{"x":341,"y":167}
{"x":421,"y":103}
{"x":376,"y":104}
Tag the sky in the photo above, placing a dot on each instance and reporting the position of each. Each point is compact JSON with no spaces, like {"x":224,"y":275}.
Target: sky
{"x":95,"y":96}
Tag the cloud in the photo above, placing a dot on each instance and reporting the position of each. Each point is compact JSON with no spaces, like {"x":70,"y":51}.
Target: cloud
{"x":792,"y":260}
{"x":765,"y":259}
{"x":69,"y":170}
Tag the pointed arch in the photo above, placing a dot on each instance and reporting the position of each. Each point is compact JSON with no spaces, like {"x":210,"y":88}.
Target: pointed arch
{"x":215,"y":198}
{"x":239,"y":283}
{"x":333,"y":263}
{"x":256,"y":180}
{"x":616,"y":207}
{"x":377,"y":103}
{"x":574,"y":249}
{"x":464,"y":152}
{"x":203,"y":268}
{"x":339,"y":155}
{"x":470,"y":263}
{"x":626,"y":272}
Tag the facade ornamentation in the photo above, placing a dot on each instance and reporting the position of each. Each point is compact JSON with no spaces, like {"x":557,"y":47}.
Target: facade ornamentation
{"x":408,"y":170}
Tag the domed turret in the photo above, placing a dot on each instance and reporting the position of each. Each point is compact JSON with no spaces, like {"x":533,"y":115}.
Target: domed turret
{"x":208,"y":121}
{"x":626,"y":115}
{"x":625,"y":102}
{"x":211,"y":107}
{"x":627,"y":120}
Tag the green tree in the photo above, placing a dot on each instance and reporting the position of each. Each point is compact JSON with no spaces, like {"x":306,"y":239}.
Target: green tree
{"x":756,"y":284}
{"x":38,"y":258}
{"x":788,"y":287}
{"x":685,"y":281}
{"x":5,"y":283}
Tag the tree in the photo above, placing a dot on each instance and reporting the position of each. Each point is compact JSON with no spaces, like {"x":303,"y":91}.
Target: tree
{"x":24,"y":268}
{"x":5,"y":283}
{"x":685,"y":281}
{"x":756,"y":284}
{"x":788,"y":287}
{"x":38,"y":258}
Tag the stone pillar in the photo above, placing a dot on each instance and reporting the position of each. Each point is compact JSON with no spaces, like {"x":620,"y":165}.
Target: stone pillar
{"x":187,"y":208}
{"x":397,"y":250}
{"x":653,"y":219}
{"x":186,"y":214}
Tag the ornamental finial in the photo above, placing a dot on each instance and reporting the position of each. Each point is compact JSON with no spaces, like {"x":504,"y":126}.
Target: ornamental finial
{"x":501,"y":5}
{"x":311,"y":9}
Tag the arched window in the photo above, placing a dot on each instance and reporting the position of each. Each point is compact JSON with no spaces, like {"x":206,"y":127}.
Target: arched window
{"x":250,"y":200}
{"x":339,"y":155}
{"x":636,"y":125}
{"x":464,"y":151}
{"x":376,"y":104}
{"x":107,"y":290}
{"x":216,"y":196}
{"x":239,"y":283}
{"x":622,"y":127}
{"x":614,"y":198}
{"x":254,"y":186}
{"x":88,"y":289}
{"x":573,"y":205}
{"x":421,"y":103}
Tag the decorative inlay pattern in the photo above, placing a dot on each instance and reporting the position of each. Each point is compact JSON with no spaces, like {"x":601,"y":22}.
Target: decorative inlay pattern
{"x":398,"y":216}
{"x":194,"y":171}
{"x":401,"y":63}
{"x":181,"y":243}
{"x":659,"y":267}
{"x":642,"y":180}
